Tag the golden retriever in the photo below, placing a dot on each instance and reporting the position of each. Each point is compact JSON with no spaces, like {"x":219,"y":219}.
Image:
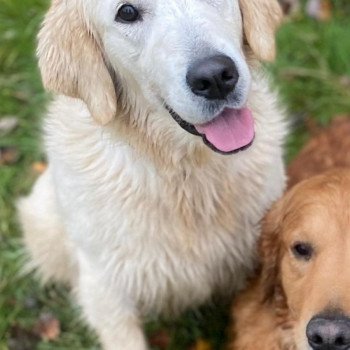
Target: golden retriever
{"x":146,"y":205}
{"x":327,"y":149}
{"x":300,"y":298}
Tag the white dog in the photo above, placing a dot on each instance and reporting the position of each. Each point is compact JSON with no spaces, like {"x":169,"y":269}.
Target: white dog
{"x":142,"y":210}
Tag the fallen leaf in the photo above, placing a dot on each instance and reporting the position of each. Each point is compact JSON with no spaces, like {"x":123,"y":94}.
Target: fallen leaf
{"x":8,"y":155}
{"x":202,"y":345}
{"x":160,"y":339}
{"x":48,"y":328}
{"x":319,"y":9}
{"x":8,"y":124}
{"x":39,"y":167}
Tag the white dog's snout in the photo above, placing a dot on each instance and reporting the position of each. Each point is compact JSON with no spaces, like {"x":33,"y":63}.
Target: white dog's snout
{"x":213,"y":77}
{"x":207,"y":72}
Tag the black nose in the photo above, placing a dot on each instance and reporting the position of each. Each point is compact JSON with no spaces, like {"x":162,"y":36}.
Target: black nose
{"x":213,"y":77}
{"x":331,"y":333}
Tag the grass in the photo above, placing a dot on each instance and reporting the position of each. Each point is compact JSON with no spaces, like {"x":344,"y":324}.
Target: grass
{"x":312,"y":71}
{"x":313,"y":74}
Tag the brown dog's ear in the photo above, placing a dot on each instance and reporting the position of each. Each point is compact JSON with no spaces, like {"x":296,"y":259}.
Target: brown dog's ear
{"x":270,"y":251}
{"x":261,"y":19}
{"x":71,"y":60}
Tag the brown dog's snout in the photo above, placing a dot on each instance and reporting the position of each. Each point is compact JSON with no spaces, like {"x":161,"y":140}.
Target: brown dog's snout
{"x":331,"y":332}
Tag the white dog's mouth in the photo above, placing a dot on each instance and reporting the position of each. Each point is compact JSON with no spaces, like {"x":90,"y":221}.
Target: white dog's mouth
{"x":229,"y":132}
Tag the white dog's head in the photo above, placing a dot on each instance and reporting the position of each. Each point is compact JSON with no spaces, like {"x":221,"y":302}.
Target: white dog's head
{"x":184,"y":59}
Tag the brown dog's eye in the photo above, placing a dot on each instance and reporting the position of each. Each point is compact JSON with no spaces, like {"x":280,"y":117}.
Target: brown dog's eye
{"x":128,"y":14}
{"x":302,"y":250}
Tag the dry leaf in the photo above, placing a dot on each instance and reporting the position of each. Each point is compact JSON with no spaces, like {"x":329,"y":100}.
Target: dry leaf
{"x":48,"y":327}
{"x":319,"y":9}
{"x":8,"y":155}
{"x":8,"y":124}
{"x":160,"y":340}
{"x":202,"y":345}
{"x":39,"y":167}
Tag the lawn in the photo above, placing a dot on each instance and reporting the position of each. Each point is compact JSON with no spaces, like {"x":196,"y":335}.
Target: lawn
{"x":313,"y":74}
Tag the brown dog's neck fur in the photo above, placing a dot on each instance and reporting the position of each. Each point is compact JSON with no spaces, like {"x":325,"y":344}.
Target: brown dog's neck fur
{"x":269,"y":320}
{"x":284,"y":320}
{"x":271,"y":292}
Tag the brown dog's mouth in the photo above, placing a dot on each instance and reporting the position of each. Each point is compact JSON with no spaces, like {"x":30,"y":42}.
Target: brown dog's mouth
{"x":229,"y":132}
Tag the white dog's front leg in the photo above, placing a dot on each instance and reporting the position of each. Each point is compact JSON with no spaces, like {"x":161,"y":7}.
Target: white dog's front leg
{"x":111,"y":314}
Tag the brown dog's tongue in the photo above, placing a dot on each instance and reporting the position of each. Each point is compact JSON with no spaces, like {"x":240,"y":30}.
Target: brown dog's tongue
{"x":230,"y":131}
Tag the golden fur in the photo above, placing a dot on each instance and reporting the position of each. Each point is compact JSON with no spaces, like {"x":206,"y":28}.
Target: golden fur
{"x":328,"y":148}
{"x":71,"y":59}
{"x":261,"y":18}
{"x":274,"y":311}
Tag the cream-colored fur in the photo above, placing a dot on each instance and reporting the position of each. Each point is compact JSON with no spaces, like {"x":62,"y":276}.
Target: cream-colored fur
{"x":136,"y":214}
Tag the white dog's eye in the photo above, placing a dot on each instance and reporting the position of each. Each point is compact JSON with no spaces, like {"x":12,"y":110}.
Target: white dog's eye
{"x":128,"y":14}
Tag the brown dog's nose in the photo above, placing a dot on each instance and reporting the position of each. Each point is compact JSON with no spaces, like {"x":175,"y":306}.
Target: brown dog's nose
{"x":329,"y":332}
{"x":213,"y":78}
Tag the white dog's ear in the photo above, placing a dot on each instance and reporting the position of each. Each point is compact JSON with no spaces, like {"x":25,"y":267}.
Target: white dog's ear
{"x":261,"y":19}
{"x":71,"y":60}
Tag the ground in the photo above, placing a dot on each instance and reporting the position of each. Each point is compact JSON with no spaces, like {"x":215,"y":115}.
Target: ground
{"x":313,"y":74}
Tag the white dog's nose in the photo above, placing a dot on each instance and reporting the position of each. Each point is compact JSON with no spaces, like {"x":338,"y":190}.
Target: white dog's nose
{"x":213,"y":78}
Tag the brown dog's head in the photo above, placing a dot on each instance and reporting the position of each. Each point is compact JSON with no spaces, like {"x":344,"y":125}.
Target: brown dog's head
{"x":305,"y":251}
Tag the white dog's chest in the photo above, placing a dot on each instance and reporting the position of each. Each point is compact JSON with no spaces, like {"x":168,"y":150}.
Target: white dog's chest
{"x":167,"y":247}
{"x":166,"y":240}
{"x":166,"y":268}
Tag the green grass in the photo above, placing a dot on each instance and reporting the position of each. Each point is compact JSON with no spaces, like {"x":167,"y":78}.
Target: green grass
{"x":313,"y":70}
{"x":314,"y":59}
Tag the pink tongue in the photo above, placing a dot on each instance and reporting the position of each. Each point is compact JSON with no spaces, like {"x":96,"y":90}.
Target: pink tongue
{"x":229,"y":131}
